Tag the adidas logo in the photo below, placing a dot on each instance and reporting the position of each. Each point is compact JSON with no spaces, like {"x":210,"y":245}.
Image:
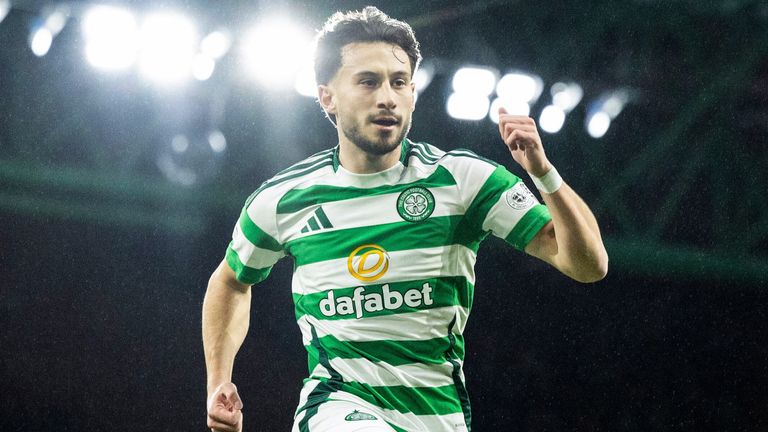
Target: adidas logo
{"x":318,"y":221}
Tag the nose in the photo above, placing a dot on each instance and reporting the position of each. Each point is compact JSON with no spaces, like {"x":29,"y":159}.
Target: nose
{"x":385,"y":97}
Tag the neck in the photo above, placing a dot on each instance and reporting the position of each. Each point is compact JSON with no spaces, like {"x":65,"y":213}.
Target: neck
{"x":355,"y":160}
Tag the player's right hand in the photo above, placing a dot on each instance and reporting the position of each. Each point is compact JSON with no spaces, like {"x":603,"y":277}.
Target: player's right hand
{"x":225,"y":409}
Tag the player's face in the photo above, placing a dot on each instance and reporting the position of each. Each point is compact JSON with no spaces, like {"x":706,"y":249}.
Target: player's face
{"x":373,"y":96}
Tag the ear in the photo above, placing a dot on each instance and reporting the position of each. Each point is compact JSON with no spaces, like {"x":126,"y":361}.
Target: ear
{"x":326,"y":99}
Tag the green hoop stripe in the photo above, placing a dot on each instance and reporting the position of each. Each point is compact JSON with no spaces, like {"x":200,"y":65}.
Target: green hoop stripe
{"x":256,"y":235}
{"x":397,"y":236}
{"x":299,"y":199}
{"x":489,"y":194}
{"x":533,"y":221}
{"x":393,"y":352}
{"x":417,"y":400}
{"x":243,"y":273}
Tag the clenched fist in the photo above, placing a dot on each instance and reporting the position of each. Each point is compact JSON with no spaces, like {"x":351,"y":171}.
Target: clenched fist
{"x":225,"y":409}
{"x":522,"y":138}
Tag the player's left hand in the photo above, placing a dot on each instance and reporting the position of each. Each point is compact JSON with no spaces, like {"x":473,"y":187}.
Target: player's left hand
{"x":522,"y":138}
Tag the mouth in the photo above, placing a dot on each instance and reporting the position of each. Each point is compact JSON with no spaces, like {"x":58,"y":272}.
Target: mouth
{"x":385,"y":122}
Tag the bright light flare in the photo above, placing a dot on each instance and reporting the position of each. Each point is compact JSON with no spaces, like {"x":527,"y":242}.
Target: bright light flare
{"x":168,"y":45}
{"x":217,"y":141}
{"x":203,"y":67}
{"x":111,"y":37}
{"x":56,"y":20}
{"x":566,"y":95}
{"x":216,"y":44}
{"x":474,"y":81}
{"x":40,"y":41}
{"x":614,"y":102}
{"x":520,"y":87}
{"x":5,"y":7}
{"x":423,"y":76}
{"x":305,"y":83}
{"x":275,"y":51}
{"x":467,"y":106}
{"x":512,"y":107}
{"x":598,"y":124}
{"x":552,"y":119}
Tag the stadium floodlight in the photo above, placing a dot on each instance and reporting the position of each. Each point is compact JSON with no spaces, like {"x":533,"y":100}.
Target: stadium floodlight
{"x":467,"y":106}
{"x":216,"y":44}
{"x":217,"y":141}
{"x":167,"y":50}
{"x":602,"y":111}
{"x":274,"y":52}
{"x":180,"y":143}
{"x":520,"y":87}
{"x":202,"y":67}
{"x":474,"y":81}
{"x":42,"y":35}
{"x":598,"y":123}
{"x":512,"y":106}
{"x":551,"y":119}
{"x":40,"y":41}
{"x":305,"y":83}
{"x":566,"y":95}
{"x":111,"y":37}
{"x":423,"y":76}
{"x":613,"y":102}
{"x":5,"y":7}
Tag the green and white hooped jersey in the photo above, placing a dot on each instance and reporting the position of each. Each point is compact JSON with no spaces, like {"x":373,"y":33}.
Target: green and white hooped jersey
{"x":384,"y":272}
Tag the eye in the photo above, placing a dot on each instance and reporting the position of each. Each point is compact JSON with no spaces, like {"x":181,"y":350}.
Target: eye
{"x":368,"y":82}
{"x":400,"y":82}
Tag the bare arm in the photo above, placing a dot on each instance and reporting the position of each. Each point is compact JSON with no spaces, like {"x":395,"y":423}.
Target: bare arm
{"x":226,"y":314}
{"x":571,"y":242}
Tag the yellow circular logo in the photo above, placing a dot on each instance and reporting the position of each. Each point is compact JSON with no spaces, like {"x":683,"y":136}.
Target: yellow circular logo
{"x":368,"y":262}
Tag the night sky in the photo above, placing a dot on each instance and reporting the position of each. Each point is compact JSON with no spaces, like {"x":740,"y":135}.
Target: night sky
{"x":104,"y":258}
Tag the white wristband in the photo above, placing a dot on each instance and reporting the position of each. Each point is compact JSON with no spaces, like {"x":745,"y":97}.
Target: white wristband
{"x":549,"y":182}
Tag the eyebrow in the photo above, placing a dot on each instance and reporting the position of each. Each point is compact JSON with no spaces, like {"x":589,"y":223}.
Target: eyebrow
{"x":366,"y":74}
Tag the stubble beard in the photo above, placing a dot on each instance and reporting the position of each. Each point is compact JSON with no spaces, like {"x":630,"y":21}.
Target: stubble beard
{"x":381,"y":146}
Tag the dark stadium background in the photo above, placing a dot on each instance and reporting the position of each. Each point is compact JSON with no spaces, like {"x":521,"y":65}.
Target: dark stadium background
{"x":104,"y":261}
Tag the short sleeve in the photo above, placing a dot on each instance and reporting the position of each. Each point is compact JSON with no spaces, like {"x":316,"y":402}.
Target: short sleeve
{"x":508,"y":209}
{"x":254,"y":248}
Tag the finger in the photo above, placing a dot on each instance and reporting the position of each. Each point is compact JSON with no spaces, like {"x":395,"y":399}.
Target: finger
{"x":517,"y":117}
{"x":521,"y":136}
{"x":224,"y":416}
{"x":226,"y":394}
{"x":521,"y":140}
{"x":525,"y":123}
{"x":509,"y":127}
{"x":502,"y":112}
{"x":218,"y":426}
{"x":234,"y":398}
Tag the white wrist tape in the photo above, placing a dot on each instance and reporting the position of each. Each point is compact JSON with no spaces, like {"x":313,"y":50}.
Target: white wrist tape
{"x":549,"y":182}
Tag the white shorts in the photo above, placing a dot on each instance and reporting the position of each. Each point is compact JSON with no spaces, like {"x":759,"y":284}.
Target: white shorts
{"x":340,"y":416}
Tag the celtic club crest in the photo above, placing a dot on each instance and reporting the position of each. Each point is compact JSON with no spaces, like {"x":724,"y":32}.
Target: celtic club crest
{"x":415,"y":204}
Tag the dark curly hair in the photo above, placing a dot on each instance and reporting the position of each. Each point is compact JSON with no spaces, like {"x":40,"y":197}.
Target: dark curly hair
{"x":368,"y":25}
